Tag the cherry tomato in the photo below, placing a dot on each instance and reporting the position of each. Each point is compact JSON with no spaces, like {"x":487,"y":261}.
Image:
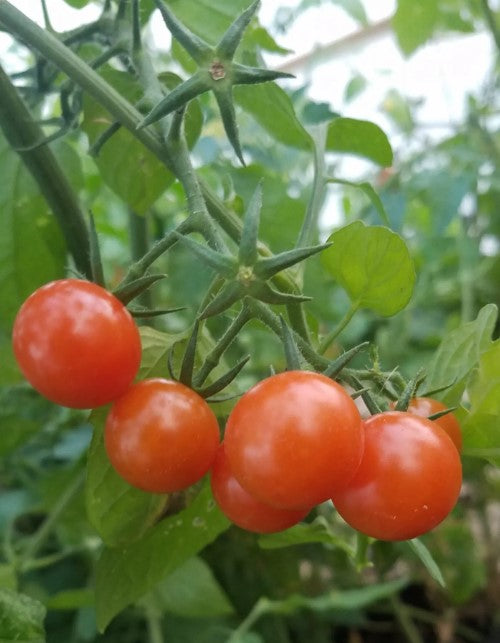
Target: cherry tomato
{"x":243,"y":509}
{"x":408,"y":481}
{"x":161,"y":436}
{"x":425,"y":406}
{"x":76,"y":343}
{"x":294,"y":439}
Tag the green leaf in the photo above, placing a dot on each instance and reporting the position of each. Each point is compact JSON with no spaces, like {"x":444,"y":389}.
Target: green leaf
{"x":21,"y":618}
{"x":31,"y":246}
{"x":273,"y":110}
{"x":78,"y":4}
{"x":318,"y":531}
{"x":71,"y":599}
{"x":370,"y":192}
{"x":125,"y":165}
{"x":192,"y":591}
{"x":459,"y":353}
{"x":124,"y":574}
{"x":355,"y":9}
{"x":425,"y":556}
{"x":360,"y":138}
{"x":414,"y":23}
{"x":120,"y":513}
{"x":155,"y":347}
{"x":374,"y":266}
{"x":481,"y":429}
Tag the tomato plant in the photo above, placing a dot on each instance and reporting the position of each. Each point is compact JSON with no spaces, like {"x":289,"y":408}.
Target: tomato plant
{"x":426,"y":406}
{"x":76,"y":343}
{"x":243,"y":509}
{"x":294,"y":439}
{"x":161,"y":436}
{"x":408,"y":481}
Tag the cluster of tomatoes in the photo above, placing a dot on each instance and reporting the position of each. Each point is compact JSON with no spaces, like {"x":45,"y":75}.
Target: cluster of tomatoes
{"x":293,"y":441}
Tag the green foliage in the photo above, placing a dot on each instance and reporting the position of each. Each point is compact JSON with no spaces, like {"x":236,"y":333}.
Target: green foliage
{"x":21,"y":617}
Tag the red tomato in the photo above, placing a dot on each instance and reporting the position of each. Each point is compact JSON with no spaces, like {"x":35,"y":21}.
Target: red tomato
{"x":408,"y":481}
{"x":242,"y":508}
{"x":161,"y":436}
{"x":425,"y":406}
{"x":294,"y":439}
{"x":76,"y":344}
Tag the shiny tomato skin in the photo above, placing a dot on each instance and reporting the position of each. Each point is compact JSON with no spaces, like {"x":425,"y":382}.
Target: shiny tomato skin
{"x":161,"y":436}
{"x":408,"y":481}
{"x":426,"y":406}
{"x":294,"y":439}
{"x":244,"y":510}
{"x":76,"y":343}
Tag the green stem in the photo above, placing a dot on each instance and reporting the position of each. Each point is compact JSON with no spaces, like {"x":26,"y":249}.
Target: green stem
{"x":139,"y":245}
{"x":409,"y":628}
{"x":491,"y":22}
{"x":213,"y":358}
{"x":155,"y":633}
{"x":38,"y":539}
{"x":310,"y":224}
{"x":332,"y":335}
{"x":259,"y":609}
{"x":23,"y":133}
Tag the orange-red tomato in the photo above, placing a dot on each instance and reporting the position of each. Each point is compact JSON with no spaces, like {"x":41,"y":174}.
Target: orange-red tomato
{"x":243,"y":509}
{"x":408,"y":481}
{"x":426,"y":406}
{"x":161,"y":436}
{"x":294,"y":439}
{"x":76,"y":343}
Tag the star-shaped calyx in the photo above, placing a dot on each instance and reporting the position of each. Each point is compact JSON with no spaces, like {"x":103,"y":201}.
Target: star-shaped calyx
{"x":247,"y":274}
{"x":217,"y":72}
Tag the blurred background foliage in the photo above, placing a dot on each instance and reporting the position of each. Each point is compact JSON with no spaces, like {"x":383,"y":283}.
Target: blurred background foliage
{"x":441,"y":194}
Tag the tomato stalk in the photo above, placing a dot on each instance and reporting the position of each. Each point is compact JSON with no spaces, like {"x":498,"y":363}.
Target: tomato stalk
{"x":335,"y":332}
{"x":23,"y":133}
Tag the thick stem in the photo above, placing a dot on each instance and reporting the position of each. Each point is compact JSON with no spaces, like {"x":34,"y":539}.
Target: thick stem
{"x":139,"y":246}
{"x":23,"y":133}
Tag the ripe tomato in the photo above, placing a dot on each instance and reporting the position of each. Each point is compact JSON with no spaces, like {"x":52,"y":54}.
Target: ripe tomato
{"x":76,"y":343}
{"x":425,"y":406}
{"x":408,"y":480}
{"x":243,"y":509}
{"x":161,"y":436}
{"x":294,"y":439}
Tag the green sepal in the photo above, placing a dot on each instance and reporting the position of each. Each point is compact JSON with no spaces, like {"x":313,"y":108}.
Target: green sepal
{"x":292,"y":355}
{"x":225,"y":101}
{"x":187,"y":366}
{"x":248,"y":254}
{"x":264,"y":292}
{"x":359,"y":392}
{"x":199,"y":50}
{"x":232,"y":38}
{"x":95,"y":254}
{"x":370,"y":403}
{"x":103,"y":138}
{"x":225,"y":298}
{"x":223,"y":264}
{"x":148,"y":313}
{"x":177,"y":98}
{"x":440,"y":414}
{"x":440,"y":389}
{"x":341,"y":361}
{"x":266,"y":268}
{"x":224,"y":380}
{"x":170,"y":362}
{"x":245,"y":75}
{"x":133,"y":289}
{"x":409,"y":391}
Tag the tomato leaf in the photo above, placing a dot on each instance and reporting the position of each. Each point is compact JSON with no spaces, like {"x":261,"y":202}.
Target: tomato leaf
{"x":370,"y":192}
{"x":21,"y":618}
{"x":414,"y":23}
{"x":191,"y":590}
{"x":373,"y":265}
{"x":425,"y":556}
{"x":481,"y":430}
{"x":273,"y":110}
{"x":360,"y":138}
{"x":459,"y":353}
{"x":124,"y":574}
{"x":120,"y":513}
